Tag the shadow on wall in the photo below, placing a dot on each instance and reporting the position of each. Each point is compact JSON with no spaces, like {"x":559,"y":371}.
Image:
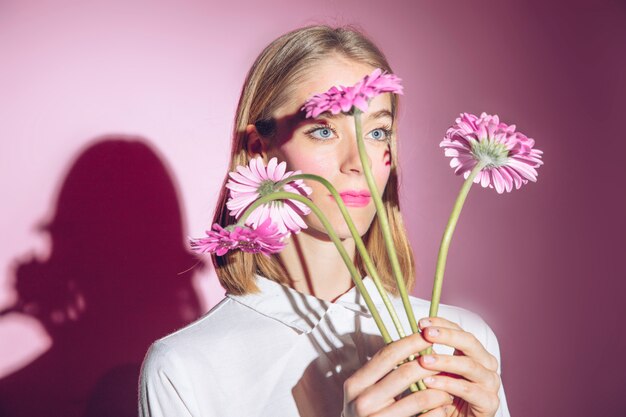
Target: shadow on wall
{"x":112,"y":285}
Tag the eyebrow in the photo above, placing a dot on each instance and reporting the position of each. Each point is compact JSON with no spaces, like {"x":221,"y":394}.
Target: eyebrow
{"x":376,"y":115}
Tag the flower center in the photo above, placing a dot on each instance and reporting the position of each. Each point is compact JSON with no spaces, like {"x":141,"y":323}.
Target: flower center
{"x":494,"y":153}
{"x":267,"y":187}
{"x":249,"y":245}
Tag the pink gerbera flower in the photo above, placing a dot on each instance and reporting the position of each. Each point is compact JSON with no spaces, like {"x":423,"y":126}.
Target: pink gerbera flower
{"x":509,"y":155}
{"x":265,"y":239}
{"x":254,"y":181}
{"x":343,"y":99}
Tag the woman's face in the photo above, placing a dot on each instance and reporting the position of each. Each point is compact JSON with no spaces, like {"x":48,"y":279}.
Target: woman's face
{"x":326,"y":146}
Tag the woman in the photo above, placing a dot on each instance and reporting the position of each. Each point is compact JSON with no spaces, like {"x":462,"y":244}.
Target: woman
{"x":293,"y":336}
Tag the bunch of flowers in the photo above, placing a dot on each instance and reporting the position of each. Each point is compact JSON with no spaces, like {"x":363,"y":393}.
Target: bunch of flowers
{"x":268,"y":202}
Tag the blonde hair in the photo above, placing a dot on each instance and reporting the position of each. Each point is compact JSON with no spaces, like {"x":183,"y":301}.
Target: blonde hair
{"x":268,"y":86}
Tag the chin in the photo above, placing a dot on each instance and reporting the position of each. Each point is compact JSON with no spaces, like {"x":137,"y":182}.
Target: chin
{"x":342,"y":230}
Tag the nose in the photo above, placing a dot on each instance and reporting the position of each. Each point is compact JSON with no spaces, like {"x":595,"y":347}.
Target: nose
{"x":350,"y":160}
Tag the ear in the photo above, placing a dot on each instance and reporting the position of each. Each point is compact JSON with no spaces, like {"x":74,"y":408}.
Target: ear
{"x":256,"y":145}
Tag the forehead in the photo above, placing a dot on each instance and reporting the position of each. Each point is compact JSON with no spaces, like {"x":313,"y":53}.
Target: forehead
{"x":329,"y":72}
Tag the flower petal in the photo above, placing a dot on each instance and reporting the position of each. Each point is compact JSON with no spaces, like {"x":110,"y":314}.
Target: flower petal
{"x":343,"y":99}
{"x":509,"y":157}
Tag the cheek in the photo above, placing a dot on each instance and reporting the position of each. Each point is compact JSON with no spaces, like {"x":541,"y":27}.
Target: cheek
{"x":305,"y":159}
{"x":381,"y":167}
{"x":382,"y":176}
{"x":311,"y":163}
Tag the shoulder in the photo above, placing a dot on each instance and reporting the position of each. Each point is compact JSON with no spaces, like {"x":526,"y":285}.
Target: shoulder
{"x":227,"y":327}
{"x":469,"y":321}
{"x":196,"y":332}
{"x":176,"y":357}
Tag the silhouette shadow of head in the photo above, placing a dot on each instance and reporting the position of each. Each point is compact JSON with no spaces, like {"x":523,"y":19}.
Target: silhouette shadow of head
{"x":111,"y":286}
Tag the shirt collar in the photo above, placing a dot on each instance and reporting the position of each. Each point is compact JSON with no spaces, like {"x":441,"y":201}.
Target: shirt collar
{"x":302,"y":311}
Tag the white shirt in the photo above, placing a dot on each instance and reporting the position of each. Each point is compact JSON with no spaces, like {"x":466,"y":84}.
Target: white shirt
{"x":278,"y":353}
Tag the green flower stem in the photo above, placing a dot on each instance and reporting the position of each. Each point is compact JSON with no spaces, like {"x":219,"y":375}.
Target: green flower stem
{"x":367,"y":260}
{"x":445,"y":242}
{"x":445,"y":245}
{"x":386,"y":231}
{"x":282,"y":195}
{"x":384,"y":222}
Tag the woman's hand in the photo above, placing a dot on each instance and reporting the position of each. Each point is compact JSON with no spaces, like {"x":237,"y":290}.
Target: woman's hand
{"x":375,"y":389}
{"x":470,"y":374}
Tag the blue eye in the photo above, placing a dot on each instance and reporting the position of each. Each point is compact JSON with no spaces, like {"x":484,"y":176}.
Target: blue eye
{"x":379,"y":134}
{"x":322,"y":133}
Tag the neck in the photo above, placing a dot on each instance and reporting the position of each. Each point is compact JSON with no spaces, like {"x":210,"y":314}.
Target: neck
{"x":315,"y":267}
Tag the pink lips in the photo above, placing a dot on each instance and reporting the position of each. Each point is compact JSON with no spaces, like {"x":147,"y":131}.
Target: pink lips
{"x":355,"y":198}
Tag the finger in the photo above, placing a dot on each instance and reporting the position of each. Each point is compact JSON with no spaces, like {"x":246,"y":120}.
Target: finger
{"x":480,"y":399}
{"x":464,"y":366}
{"x":430,"y":399}
{"x":391,"y":386}
{"x":439,"y":412}
{"x":439,"y":322}
{"x":463,"y":341}
{"x":385,"y":360}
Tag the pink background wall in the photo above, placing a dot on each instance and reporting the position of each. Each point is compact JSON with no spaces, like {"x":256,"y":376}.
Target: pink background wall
{"x":141,"y":95}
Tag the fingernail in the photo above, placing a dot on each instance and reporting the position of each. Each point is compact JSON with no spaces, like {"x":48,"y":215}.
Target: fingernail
{"x":429,"y":380}
{"x":425,"y":323}
{"x":451,"y":397}
{"x":428,"y":359}
{"x":433,"y":332}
